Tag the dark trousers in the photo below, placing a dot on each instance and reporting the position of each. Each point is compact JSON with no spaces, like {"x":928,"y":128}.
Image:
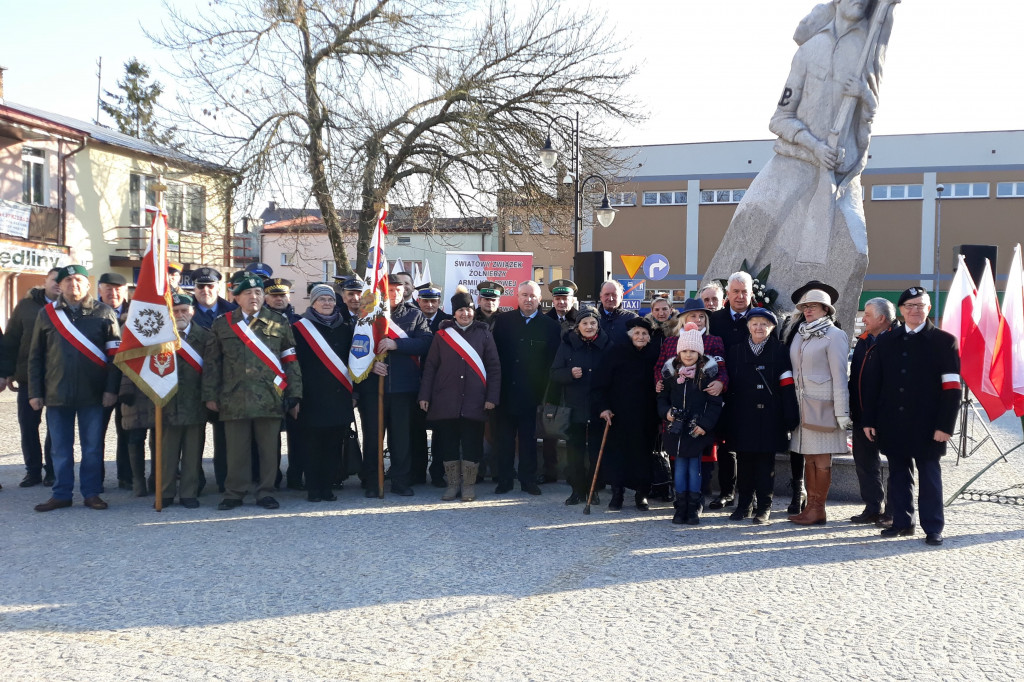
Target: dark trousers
{"x":397,"y":410}
{"x":297,"y":451}
{"x":755,"y":475}
{"x":455,"y":436}
{"x":322,"y":455}
{"x":581,"y":453}
{"x":929,"y":498}
{"x":220,"y":450}
{"x":418,"y":449}
{"x":549,"y":449}
{"x":521,"y":427}
{"x":869,"y":471}
{"x":122,"y":458}
{"x":28,"y":422}
{"x":135,"y":440}
{"x":726,"y":472}
{"x":241,"y":435}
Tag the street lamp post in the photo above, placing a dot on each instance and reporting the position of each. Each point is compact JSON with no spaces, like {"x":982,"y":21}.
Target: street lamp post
{"x":549,"y":155}
{"x":938,"y":248}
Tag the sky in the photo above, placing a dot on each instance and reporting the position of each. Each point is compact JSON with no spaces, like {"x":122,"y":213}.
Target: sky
{"x":708,"y":69}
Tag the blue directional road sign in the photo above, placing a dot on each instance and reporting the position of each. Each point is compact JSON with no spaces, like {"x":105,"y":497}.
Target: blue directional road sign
{"x":656,"y":266}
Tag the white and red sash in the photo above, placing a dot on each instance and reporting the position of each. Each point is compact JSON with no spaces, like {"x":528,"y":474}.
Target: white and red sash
{"x":323,"y":350}
{"x":253,"y":343}
{"x":76,"y":338}
{"x":189,"y":355}
{"x":459,"y":344}
{"x":396,"y":332}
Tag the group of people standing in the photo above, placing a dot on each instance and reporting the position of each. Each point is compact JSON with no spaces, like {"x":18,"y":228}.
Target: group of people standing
{"x":719,"y":382}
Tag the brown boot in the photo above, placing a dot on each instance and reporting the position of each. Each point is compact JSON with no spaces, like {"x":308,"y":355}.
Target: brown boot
{"x":452,"y":472}
{"x":815,"y":513}
{"x":469,"y":472}
{"x":809,"y":478}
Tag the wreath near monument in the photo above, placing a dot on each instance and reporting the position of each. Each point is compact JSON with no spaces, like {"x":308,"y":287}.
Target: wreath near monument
{"x":762,"y":296}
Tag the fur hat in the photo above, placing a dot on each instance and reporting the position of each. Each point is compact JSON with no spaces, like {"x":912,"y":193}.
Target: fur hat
{"x":690,"y":339}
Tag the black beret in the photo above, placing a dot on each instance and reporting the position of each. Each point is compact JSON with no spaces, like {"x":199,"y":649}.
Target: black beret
{"x":640,"y":322}
{"x":113,"y":278}
{"x":912,"y":292}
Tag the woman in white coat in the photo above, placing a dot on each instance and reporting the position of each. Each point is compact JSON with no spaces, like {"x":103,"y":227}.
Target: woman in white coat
{"x":819,"y":355}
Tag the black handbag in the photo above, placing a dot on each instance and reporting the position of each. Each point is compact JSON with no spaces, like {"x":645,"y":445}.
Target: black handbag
{"x":553,"y":420}
{"x":661,"y":473}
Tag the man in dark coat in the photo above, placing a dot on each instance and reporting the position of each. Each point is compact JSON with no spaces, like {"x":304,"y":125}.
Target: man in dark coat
{"x":879,"y":318}
{"x":563,"y":311}
{"x":911,"y":397}
{"x":401,"y":373}
{"x":351,"y":292}
{"x":278,"y":297}
{"x":69,"y":373}
{"x":209,"y":306}
{"x":614,"y":319}
{"x":17,"y":342}
{"x":527,"y":342}
{"x":430,"y":307}
{"x":730,"y":325}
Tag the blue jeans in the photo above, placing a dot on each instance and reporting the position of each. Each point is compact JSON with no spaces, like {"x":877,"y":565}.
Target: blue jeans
{"x":687,"y":474}
{"x":61,"y":424}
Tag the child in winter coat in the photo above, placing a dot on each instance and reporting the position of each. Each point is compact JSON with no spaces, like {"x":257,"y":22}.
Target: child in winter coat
{"x":690,"y":415}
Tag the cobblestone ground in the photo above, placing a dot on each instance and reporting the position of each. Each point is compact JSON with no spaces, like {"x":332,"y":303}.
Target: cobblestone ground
{"x":506,"y":588}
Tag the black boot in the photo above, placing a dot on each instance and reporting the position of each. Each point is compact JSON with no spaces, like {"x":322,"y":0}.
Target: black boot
{"x":694,"y":504}
{"x":617,"y":494}
{"x":761,"y":514}
{"x":743,"y":507}
{"x":682,"y":508}
{"x":641,"y":502}
{"x":799,"y":501}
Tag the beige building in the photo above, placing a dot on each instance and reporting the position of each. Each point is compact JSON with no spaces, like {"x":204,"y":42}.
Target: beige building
{"x":681,"y":198}
{"x":86,"y":189}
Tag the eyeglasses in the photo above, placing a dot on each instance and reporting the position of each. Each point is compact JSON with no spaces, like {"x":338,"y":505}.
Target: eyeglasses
{"x":915,"y":306}
{"x":206,"y":285}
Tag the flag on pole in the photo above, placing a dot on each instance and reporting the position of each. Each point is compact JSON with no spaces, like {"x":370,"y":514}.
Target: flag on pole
{"x":374,"y":306}
{"x":996,"y":389}
{"x":958,"y":316}
{"x":399,"y":266}
{"x":1013,"y":313}
{"x":425,"y":272}
{"x":149,"y":338}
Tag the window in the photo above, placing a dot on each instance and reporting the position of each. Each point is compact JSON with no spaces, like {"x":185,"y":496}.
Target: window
{"x":404,"y":241}
{"x":33,"y":179}
{"x":896,"y":192}
{"x":140,"y":195}
{"x":515,"y":225}
{"x":673,"y":198}
{"x":186,"y":207}
{"x":288,"y":258}
{"x":536,"y":226}
{"x":330,"y":269}
{"x":538,"y":274}
{"x":721,"y":196}
{"x":557,"y":273}
{"x":966,"y":190}
{"x":1010,"y":189}
{"x":626,"y":198}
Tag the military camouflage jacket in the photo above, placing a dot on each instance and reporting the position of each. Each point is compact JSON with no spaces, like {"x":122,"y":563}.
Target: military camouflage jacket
{"x":187,"y":407}
{"x":237,"y":379}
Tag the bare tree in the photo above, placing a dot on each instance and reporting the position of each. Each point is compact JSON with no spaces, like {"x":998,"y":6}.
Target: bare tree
{"x":439,"y":102}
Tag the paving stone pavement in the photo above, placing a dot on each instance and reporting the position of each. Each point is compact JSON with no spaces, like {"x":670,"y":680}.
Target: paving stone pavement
{"x":509,"y":587}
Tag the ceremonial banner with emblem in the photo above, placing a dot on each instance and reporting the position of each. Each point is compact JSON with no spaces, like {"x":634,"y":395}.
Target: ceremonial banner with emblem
{"x":374,"y":307}
{"x":149,"y":338}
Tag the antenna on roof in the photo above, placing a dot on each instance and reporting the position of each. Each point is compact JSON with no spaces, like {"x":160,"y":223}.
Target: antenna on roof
{"x":99,"y":87}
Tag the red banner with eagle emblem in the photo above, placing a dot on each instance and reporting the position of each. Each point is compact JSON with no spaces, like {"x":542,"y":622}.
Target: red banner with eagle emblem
{"x":149,"y":338}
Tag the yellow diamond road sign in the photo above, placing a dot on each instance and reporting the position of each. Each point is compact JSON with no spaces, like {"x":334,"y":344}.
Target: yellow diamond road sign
{"x":632,"y":263}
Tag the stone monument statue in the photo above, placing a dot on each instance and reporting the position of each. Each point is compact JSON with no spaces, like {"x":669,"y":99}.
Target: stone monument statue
{"x":804,"y":212}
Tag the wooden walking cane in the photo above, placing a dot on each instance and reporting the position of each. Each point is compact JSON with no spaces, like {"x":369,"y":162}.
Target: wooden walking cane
{"x":597,"y":466}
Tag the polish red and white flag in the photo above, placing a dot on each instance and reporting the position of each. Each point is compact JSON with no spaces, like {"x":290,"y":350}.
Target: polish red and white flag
{"x":996,"y":394}
{"x":1013,"y":314}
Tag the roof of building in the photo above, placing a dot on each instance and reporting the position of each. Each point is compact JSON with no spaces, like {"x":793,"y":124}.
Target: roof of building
{"x":313,"y":223}
{"x":113,"y":137}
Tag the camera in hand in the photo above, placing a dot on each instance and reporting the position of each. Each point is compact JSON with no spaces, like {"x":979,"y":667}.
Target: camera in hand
{"x":683,"y":421}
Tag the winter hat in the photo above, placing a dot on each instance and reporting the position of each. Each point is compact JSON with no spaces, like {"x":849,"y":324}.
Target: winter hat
{"x":690,"y":339}
{"x":461,"y":298}
{"x":322,"y":290}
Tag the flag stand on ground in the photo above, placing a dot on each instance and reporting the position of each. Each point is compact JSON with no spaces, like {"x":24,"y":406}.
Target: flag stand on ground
{"x":149,"y":338}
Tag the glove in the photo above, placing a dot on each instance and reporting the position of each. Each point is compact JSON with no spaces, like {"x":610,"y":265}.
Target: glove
{"x":845,"y":423}
{"x":128,"y":399}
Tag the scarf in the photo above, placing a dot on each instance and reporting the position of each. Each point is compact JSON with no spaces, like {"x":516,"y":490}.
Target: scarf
{"x":816,"y":329}
{"x":686,"y":373}
{"x":757,"y":347}
{"x":326,"y":320}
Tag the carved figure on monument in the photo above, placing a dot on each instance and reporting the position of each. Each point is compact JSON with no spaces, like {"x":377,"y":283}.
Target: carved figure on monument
{"x":804,"y":212}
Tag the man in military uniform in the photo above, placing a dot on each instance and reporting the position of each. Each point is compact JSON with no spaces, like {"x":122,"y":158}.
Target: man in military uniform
{"x":17,"y":342}
{"x":563,"y":311}
{"x":113,"y":291}
{"x":488,"y":300}
{"x":278,"y":292}
{"x":401,"y":373}
{"x":70,"y":373}
{"x":911,"y":398}
{"x":185,"y":415}
{"x":430,"y":307}
{"x":249,"y":373}
{"x":209,"y":306}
